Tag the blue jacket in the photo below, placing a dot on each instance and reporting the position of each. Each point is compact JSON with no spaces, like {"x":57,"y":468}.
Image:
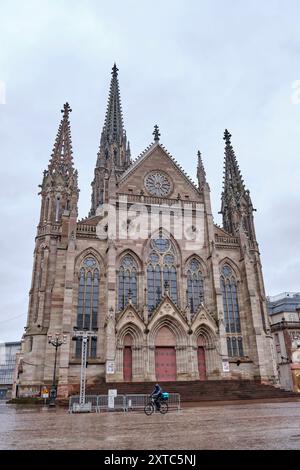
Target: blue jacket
{"x":157,"y":390}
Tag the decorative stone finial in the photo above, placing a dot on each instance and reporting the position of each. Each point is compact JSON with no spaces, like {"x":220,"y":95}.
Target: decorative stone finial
{"x":166,"y":287}
{"x":156,"y":133}
{"x":66,"y":110}
{"x":115,"y":70}
{"x":227,"y":137}
{"x":201,"y":171}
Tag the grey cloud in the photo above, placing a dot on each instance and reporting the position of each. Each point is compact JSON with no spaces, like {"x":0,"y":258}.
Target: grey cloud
{"x":193,"y":67}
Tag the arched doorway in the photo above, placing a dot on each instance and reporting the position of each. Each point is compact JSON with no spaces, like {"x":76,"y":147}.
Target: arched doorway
{"x":165,"y":355}
{"x":201,"y":358}
{"x":127,"y":359}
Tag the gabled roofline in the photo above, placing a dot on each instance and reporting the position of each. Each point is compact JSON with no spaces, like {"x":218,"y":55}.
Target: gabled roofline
{"x":148,"y":150}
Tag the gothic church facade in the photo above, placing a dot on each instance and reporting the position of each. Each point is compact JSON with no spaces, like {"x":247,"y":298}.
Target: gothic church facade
{"x":168,"y":295}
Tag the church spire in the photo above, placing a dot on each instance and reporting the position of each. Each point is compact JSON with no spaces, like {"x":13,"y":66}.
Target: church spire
{"x":237,"y":208}
{"x":232,"y":179}
{"x":114,"y":150}
{"x":113,"y":125}
{"x":59,"y":189}
{"x":61,"y":158}
{"x":201,"y":175}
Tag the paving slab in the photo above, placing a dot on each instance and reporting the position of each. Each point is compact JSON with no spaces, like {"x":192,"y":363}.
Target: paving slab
{"x":265,"y":425}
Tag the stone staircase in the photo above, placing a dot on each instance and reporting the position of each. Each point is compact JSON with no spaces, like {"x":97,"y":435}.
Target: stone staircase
{"x":196,"y":391}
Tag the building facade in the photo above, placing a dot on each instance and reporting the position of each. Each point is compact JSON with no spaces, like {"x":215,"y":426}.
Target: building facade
{"x":8,"y":358}
{"x":169,"y":294}
{"x":284,"y":311}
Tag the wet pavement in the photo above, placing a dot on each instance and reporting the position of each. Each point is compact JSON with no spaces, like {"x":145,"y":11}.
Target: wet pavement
{"x":225,"y":426}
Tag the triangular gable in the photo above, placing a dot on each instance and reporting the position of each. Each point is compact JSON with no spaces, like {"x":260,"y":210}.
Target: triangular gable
{"x":203,"y":316}
{"x":157,"y":153}
{"x":167,"y":307}
{"x":129,"y":315}
{"x":92,"y":221}
{"x":221,"y":232}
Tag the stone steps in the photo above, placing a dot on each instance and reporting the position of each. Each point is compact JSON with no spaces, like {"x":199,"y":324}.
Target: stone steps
{"x":209,"y":390}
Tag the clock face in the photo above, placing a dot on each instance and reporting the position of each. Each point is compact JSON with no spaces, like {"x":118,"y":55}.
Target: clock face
{"x":158,"y":184}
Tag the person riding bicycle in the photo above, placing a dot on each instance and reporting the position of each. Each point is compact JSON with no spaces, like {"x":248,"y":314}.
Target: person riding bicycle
{"x":156,"y":395}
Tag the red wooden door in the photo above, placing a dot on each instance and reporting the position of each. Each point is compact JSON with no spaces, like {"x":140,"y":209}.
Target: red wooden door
{"x":165,"y":363}
{"x":201,"y":363}
{"x":127,"y":364}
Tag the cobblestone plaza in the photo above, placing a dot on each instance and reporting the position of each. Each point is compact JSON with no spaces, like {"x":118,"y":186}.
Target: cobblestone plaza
{"x":243,"y":425}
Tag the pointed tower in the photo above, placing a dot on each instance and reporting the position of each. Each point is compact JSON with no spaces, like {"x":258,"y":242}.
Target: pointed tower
{"x":114,"y":150}
{"x":59,"y":189}
{"x":57,"y":224}
{"x":237,"y":209}
{"x":201,"y":175}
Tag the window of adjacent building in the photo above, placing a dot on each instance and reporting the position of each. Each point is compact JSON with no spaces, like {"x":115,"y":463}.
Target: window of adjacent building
{"x":231,"y":313}
{"x":293,"y":316}
{"x":8,"y":353}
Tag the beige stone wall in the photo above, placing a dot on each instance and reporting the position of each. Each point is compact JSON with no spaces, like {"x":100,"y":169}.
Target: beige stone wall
{"x":57,"y":293}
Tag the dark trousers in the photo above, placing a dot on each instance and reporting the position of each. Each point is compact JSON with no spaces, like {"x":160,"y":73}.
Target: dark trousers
{"x":157,"y":400}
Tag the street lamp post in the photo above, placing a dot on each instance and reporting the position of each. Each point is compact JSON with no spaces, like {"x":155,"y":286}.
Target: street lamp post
{"x":56,"y":340}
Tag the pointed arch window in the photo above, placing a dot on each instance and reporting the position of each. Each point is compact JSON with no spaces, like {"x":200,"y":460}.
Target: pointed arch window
{"x":195,"y":290}
{"x":57,"y":209}
{"x":127,"y":282}
{"x":46,"y":209}
{"x":161,"y":272}
{"x":39,"y":282}
{"x":231,"y":313}
{"x":88,"y":301}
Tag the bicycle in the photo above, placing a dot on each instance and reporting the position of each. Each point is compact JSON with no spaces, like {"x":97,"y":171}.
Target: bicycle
{"x":152,"y":405}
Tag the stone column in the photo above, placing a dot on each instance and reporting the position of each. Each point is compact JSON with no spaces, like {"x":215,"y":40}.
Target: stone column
{"x":215,"y":275}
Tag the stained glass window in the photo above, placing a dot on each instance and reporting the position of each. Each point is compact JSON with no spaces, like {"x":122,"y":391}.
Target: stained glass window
{"x":195,"y":290}
{"x":231,"y":313}
{"x":87,"y":302}
{"x":161,"y":244}
{"x":161,"y":272}
{"x":127,"y":282}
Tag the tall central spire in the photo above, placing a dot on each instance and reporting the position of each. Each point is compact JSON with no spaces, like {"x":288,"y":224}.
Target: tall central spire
{"x":113,"y":124}
{"x":114,"y":150}
{"x":113,"y":142}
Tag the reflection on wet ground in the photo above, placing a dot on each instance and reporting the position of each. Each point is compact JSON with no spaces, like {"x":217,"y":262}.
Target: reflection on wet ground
{"x":228,"y":426}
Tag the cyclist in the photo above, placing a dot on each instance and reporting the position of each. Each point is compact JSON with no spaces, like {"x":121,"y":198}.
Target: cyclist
{"x":156,"y":395}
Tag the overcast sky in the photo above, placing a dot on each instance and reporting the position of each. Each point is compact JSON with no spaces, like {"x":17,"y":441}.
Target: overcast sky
{"x":194,"y":67}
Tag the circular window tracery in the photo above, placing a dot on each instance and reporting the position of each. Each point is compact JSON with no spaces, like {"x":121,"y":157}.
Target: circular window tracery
{"x":158,"y":184}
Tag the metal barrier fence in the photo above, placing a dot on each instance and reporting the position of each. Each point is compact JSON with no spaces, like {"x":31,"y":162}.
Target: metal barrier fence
{"x":138,"y":402}
{"x":174,"y":401}
{"x":131,"y":402}
{"x":106,"y":403}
